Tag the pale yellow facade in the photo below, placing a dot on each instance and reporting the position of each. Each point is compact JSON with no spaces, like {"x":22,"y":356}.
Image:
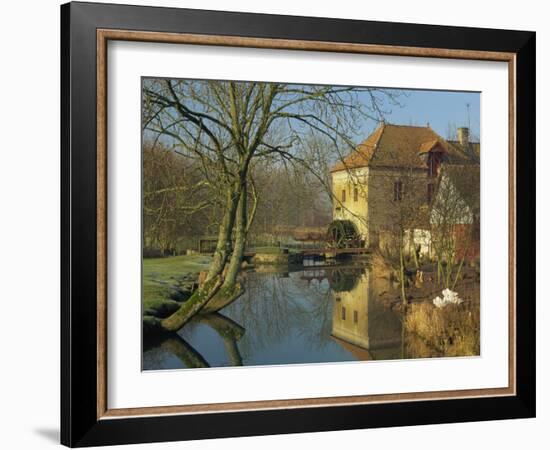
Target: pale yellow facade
{"x":359,"y":318}
{"x":350,"y":198}
{"x":368,"y":198}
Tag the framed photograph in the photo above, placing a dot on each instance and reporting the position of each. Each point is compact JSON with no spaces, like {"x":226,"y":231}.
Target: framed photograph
{"x":276,"y":224}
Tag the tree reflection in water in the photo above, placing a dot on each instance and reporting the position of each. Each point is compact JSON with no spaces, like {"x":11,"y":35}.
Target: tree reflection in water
{"x":182,"y":354}
{"x":311,"y":315}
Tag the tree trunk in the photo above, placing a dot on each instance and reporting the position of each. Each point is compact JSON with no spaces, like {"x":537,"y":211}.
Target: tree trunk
{"x":231,"y":289}
{"x":465,"y":251}
{"x":449,"y":267}
{"x":192,"y":305}
{"x":224,"y":326}
{"x":240,"y":240}
{"x":413,"y":246}
{"x":402,"y":271}
{"x":184,"y":352}
{"x":233,"y":352}
{"x":223,"y":246}
{"x":228,"y":330}
{"x":458,"y":272}
{"x":215,"y":288}
{"x":222,"y":298}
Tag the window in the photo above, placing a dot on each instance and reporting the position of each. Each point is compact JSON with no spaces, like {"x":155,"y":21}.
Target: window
{"x":433,"y":164}
{"x":355,"y":317}
{"x":397,"y":190}
{"x":355,"y":194}
{"x":343,"y":196}
{"x":430,"y":192}
{"x":343,"y":313}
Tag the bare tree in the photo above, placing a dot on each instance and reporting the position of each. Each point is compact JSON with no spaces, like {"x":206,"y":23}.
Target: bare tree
{"x":406,"y":212}
{"x":455,"y":220}
{"x":224,"y":126}
{"x":174,"y":197}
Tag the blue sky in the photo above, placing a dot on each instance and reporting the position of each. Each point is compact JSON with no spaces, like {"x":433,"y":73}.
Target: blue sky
{"x":438,"y":108}
{"x":444,"y":111}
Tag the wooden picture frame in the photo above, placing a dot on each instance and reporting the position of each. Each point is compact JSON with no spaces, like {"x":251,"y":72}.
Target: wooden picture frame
{"x":85,"y":416}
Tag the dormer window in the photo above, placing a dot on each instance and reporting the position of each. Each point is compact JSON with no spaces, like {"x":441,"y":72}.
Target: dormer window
{"x":434,"y":162}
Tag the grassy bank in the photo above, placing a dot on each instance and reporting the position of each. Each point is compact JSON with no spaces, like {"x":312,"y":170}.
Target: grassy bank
{"x":166,"y":280}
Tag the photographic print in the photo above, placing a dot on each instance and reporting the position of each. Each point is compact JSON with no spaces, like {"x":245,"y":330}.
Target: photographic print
{"x":295,"y":224}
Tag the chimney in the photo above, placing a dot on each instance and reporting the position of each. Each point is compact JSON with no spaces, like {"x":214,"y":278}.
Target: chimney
{"x":463,"y":134}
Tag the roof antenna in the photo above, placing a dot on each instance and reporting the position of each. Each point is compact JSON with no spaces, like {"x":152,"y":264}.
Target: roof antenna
{"x":468,"y":114}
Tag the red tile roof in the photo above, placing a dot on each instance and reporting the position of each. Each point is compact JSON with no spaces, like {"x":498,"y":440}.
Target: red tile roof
{"x":425,"y":147}
{"x":362,"y":155}
{"x":399,"y":146}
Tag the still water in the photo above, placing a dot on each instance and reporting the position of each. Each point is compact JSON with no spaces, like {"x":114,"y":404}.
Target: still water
{"x":307,"y":316}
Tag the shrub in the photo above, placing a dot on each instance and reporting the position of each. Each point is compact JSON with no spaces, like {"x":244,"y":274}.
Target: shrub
{"x":449,"y":331}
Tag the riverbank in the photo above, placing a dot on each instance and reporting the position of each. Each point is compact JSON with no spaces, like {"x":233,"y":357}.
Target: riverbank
{"x":169,"y":281}
{"x":453,"y":330}
{"x":166,"y":282}
{"x":444,"y":330}
{"x":432,"y":331}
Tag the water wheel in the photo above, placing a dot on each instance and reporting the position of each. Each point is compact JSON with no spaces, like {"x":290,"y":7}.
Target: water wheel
{"x":342,"y":234}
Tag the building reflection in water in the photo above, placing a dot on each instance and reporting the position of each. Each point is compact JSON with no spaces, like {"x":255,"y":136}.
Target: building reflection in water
{"x":360,"y":322}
